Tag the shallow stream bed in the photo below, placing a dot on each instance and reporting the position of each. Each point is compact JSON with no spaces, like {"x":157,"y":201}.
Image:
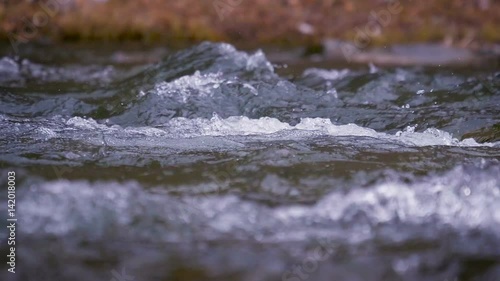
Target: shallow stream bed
{"x":218,"y":164}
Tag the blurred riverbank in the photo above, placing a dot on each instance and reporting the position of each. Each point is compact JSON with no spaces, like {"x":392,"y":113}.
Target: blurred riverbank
{"x":465,"y":24}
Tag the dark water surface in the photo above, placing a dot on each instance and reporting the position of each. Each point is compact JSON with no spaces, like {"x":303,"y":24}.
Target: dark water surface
{"x":219,"y":164}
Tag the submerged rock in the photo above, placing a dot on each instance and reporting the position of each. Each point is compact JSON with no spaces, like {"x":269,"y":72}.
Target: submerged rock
{"x":487,"y":134}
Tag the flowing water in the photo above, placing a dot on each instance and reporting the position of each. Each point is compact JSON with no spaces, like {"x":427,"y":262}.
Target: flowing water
{"x":219,"y":164}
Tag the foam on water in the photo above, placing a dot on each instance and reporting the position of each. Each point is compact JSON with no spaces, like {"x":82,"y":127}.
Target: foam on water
{"x":464,"y":199}
{"x":332,"y":74}
{"x":202,"y":84}
{"x":241,"y":125}
{"x":8,"y":67}
{"x":16,"y":72}
{"x":209,"y":77}
{"x":232,"y":126}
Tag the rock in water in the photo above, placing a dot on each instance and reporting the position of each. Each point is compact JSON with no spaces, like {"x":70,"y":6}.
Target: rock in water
{"x":487,"y":134}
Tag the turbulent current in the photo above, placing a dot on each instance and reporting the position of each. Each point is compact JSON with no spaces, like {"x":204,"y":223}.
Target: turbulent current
{"x":219,"y":164}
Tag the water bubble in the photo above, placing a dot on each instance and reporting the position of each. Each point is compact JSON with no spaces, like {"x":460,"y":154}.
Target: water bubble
{"x":467,"y":191}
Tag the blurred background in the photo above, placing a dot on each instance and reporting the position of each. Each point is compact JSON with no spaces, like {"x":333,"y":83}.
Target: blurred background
{"x":471,"y":23}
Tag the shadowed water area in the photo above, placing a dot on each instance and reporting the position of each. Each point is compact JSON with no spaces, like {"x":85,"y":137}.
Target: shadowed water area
{"x":220,"y":164}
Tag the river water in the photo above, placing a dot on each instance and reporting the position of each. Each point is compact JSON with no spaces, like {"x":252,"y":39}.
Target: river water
{"x":220,"y":164}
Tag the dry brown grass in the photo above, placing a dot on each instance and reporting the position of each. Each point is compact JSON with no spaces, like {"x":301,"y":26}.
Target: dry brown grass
{"x":254,"y":22}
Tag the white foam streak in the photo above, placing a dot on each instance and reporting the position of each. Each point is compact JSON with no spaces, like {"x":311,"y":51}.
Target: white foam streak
{"x":244,"y":126}
{"x":460,"y":199}
{"x":327,"y":74}
{"x":217,"y":126}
